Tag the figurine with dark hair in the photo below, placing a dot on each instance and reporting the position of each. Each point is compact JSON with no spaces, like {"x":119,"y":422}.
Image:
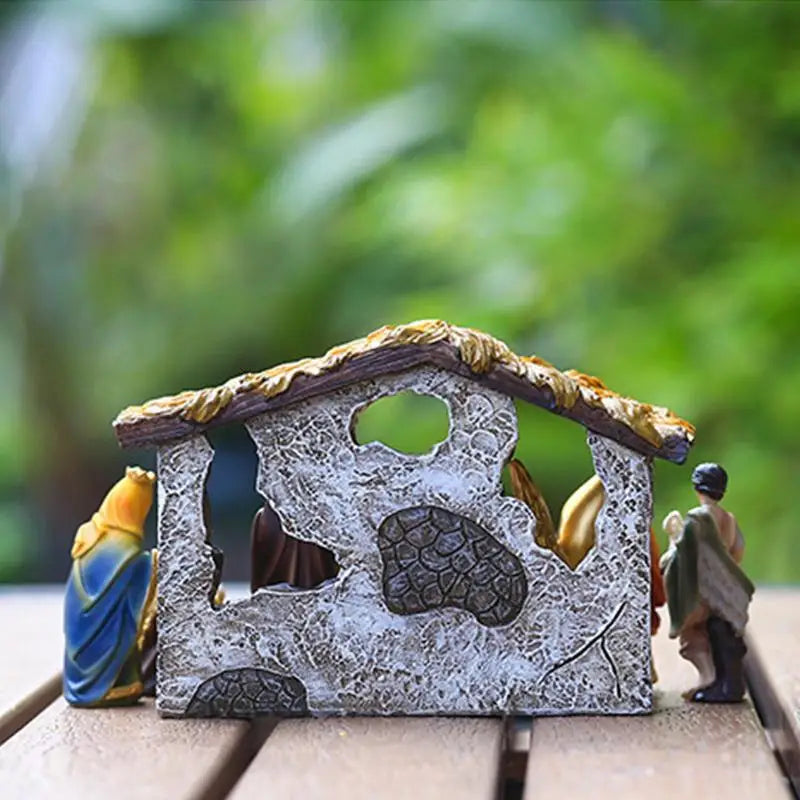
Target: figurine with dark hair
{"x":707,"y":593}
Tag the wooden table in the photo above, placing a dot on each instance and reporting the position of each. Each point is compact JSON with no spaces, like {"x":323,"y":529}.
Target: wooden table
{"x":680,"y":751}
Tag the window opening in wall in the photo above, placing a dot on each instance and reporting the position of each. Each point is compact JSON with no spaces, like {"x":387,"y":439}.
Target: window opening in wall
{"x":553,"y":460}
{"x":229,"y":502}
{"x":281,"y":560}
{"x":407,"y":422}
{"x":233,"y":507}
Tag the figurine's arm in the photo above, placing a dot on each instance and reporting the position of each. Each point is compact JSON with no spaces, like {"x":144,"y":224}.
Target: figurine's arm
{"x":737,"y":551}
{"x":150,"y":603}
{"x":673,"y":525}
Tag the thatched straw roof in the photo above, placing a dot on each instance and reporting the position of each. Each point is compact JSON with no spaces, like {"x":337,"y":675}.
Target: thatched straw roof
{"x":650,"y":429}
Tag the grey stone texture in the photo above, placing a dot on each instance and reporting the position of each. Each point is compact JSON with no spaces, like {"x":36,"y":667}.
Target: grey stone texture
{"x":247,"y":693}
{"x":433,"y":558}
{"x":579,"y":643}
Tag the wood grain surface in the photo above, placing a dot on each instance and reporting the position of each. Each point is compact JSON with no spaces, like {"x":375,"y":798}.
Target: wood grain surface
{"x":683,"y":750}
{"x":367,"y":758}
{"x":116,"y":754}
{"x":773,"y":671}
{"x":33,"y":642}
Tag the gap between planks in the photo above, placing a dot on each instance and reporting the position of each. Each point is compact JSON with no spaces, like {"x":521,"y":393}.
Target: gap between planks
{"x":127,"y":753}
{"x":773,"y":672}
{"x":362,"y":758}
{"x":30,"y":678}
{"x":681,"y":750}
{"x":705,"y":750}
{"x":17,"y":716}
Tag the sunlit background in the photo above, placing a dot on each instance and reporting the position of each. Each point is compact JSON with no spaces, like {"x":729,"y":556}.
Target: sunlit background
{"x":193,"y":190}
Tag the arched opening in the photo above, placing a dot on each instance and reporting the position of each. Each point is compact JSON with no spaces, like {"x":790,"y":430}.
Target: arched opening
{"x":406,"y":422}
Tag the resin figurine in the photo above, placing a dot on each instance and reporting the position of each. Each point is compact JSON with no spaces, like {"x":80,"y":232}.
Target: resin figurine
{"x":390,"y":583}
{"x":109,"y":609}
{"x":707,"y":593}
{"x":280,"y":559}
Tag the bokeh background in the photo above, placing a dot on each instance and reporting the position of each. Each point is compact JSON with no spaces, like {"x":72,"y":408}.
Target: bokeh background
{"x":193,"y":190}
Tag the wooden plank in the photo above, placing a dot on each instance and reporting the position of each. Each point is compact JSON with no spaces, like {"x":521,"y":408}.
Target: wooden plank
{"x":773,"y":671}
{"x":681,"y":750}
{"x":30,"y":670}
{"x":122,"y":753}
{"x":365,"y":758}
{"x":127,"y":753}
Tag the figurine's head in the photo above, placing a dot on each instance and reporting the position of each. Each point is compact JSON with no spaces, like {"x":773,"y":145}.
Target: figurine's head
{"x":124,"y":508}
{"x":139,"y":475}
{"x":127,"y":504}
{"x":710,"y":480}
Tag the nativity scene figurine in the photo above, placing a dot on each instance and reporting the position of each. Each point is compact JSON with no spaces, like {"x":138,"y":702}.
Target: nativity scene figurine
{"x":708,"y":593}
{"x":109,"y":607}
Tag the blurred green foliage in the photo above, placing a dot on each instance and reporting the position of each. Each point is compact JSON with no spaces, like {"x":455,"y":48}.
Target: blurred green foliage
{"x":612,"y":186}
{"x":406,"y":422}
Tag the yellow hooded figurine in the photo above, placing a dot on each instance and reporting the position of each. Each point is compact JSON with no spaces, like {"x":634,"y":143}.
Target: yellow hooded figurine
{"x":110,"y":597}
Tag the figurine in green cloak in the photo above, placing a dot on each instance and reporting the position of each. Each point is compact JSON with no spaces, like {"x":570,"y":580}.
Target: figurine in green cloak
{"x":707,"y":593}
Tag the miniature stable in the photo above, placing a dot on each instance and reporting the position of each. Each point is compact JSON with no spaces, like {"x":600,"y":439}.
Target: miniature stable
{"x":445,"y":601}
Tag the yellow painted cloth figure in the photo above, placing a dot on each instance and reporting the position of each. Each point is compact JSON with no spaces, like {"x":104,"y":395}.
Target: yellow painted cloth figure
{"x":110,"y":598}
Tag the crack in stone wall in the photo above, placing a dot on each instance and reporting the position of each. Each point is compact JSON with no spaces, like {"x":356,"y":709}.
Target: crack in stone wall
{"x":351,"y":653}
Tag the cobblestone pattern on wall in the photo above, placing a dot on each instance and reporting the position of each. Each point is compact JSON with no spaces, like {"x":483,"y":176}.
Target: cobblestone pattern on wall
{"x":580,"y":642}
{"x":433,"y":558}
{"x":247,"y":693}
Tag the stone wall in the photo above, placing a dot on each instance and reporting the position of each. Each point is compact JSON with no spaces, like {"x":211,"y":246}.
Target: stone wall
{"x":569,"y":642}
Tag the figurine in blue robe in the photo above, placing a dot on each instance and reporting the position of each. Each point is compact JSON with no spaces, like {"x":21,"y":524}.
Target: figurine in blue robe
{"x":110,"y":599}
